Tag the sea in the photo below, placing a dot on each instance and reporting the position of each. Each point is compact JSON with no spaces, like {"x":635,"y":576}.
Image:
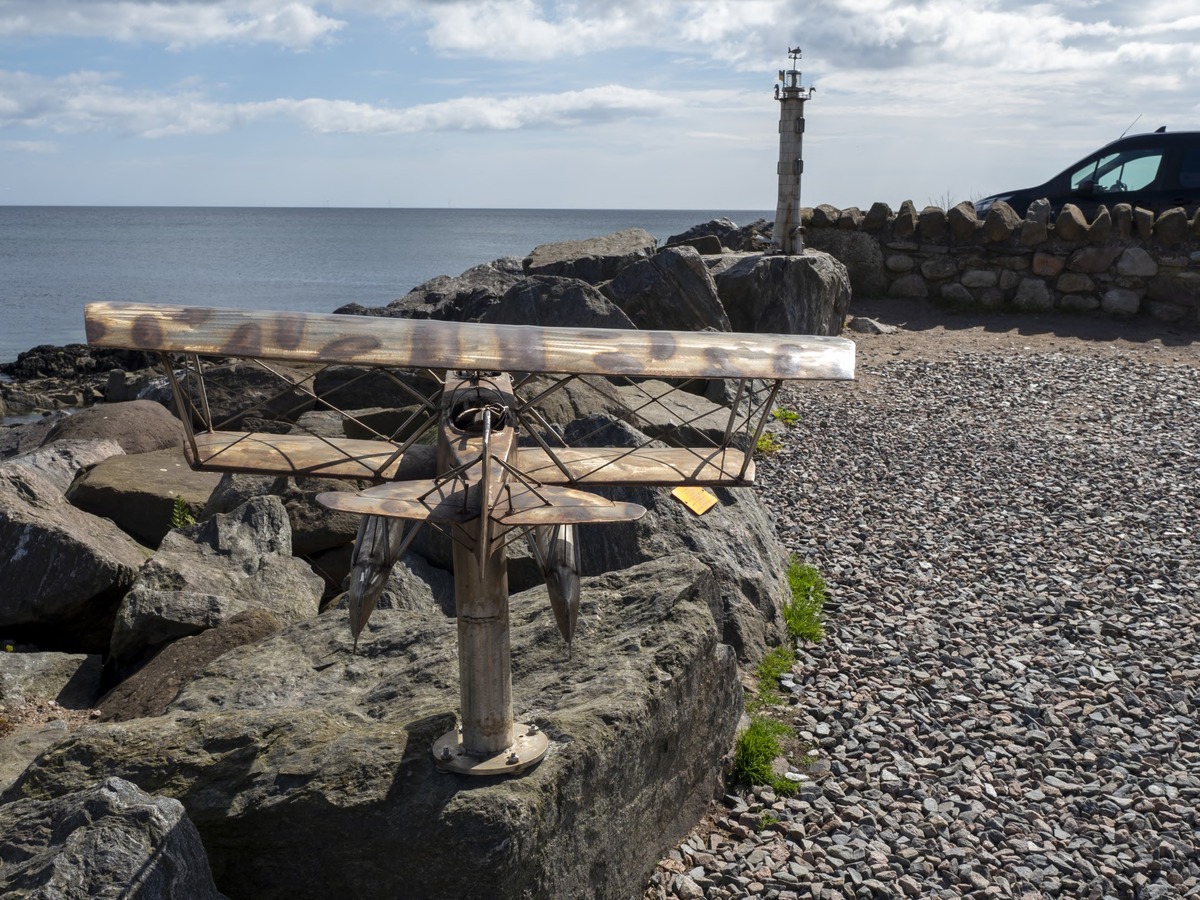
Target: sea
{"x":55,"y":259}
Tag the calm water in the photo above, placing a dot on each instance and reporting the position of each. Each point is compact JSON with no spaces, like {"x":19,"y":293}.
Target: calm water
{"x":53,"y":260}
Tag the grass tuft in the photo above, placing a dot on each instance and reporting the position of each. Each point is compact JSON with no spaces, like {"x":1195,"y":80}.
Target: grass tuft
{"x":803,"y":614}
{"x":788,"y":417}
{"x":756,"y":750}
{"x":767,"y":444}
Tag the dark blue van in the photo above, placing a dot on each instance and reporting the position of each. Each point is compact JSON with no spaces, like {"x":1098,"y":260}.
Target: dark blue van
{"x":1156,"y":171}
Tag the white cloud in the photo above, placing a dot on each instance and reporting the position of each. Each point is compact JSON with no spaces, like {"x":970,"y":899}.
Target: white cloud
{"x":91,"y":101}
{"x":177,"y":24}
{"x":35,"y":147}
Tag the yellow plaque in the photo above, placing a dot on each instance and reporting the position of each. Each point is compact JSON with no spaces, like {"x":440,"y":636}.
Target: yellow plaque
{"x":699,"y":500}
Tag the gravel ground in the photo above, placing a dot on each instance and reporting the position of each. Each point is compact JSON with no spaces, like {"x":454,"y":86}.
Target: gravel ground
{"x":1007,"y":702}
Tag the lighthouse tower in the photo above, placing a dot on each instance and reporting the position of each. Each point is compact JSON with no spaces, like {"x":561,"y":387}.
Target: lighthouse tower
{"x":791,"y":99}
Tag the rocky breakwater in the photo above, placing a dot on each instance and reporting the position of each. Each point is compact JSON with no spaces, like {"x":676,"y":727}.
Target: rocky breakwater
{"x":217,"y":681}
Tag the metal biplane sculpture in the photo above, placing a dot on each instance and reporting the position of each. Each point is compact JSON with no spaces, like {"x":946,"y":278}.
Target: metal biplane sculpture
{"x":476,"y":456}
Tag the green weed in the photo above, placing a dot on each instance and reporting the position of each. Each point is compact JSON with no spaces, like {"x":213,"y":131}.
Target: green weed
{"x":769,"y":818}
{"x":756,"y":750}
{"x":767,"y":673}
{"x":803,"y":613}
{"x":181,"y":514}
{"x":767,"y":444}
{"x":788,"y":417}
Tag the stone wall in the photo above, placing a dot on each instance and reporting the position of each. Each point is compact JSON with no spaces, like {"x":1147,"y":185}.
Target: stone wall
{"x":1126,"y":261}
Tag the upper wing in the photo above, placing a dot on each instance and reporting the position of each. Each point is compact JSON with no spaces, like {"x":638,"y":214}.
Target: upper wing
{"x":426,"y":343}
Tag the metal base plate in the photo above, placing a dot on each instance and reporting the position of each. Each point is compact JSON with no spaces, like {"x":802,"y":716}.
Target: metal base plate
{"x":527,"y":751}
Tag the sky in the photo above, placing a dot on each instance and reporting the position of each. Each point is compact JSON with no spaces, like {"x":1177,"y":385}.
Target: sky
{"x":615,"y":104}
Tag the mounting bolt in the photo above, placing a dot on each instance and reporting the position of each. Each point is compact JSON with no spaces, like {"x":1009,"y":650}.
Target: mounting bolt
{"x":533,"y":729}
{"x":446,"y":754}
{"x":513,"y":759}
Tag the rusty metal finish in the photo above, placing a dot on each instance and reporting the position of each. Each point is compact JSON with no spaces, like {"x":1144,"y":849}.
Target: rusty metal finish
{"x":450,"y":502}
{"x":442,"y":502}
{"x":301,"y":454}
{"x":477,"y":484}
{"x":427,"y":343}
{"x":661,"y":466}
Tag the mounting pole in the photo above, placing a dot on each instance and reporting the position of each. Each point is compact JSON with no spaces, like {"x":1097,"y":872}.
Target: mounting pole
{"x":791,"y":162}
{"x":488,"y":742}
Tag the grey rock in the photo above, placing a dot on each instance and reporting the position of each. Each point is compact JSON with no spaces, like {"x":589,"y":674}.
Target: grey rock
{"x":150,"y":690}
{"x":352,"y":387}
{"x":1033,"y":296}
{"x":313,"y":527}
{"x":1001,"y":222}
{"x":859,"y":252}
{"x":61,"y":461}
{"x":326,"y":755}
{"x":139,"y":426}
{"x":21,"y":746}
{"x":204,"y":574}
{"x":865,"y":325}
{"x":671,"y":290}
{"x":802,"y":294}
{"x":1172,"y":227}
{"x":64,"y":571}
{"x":1120,"y":301}
{"x":138,"y":491}
{"x":735,"y":539}
{"x":243,"y":396}
{"x":1136,"y":262}
{"x":462,"y":298}
{"x":72,"y":680}
{"x":728,"y":234}
{"x":548,"y":300}
{"x":593,"y":260}
{"x":1071,"y":225}
{"x":911,"y":286}
{"x":111,"y":840}
{"x":962,"y":220}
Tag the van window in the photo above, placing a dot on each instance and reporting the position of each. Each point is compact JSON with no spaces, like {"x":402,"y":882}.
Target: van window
{"x":1130,"y":170}
{"x":1189,"y":169}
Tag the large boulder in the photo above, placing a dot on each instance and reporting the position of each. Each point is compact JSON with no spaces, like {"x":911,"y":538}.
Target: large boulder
{"x":859,"y":252}
{"x":72,"y":680}
{"x":314,"y":528}
{"x":729,"y":236}
{"x":735,"y":539}
{"x":592,"y":260}
{"x":308,"y":772}
{"x":139,"y":426}
{"x":353,"y":387}
{"x":803,"y":294}
{"x":106,"y":840}
{"x":150,"y":690}
{"x":26,"y":435}
{"x":671,"y":290}
{"x":206,"y":573}
{"x":548,"y":300}
{"x":138,"y":492}
{"x":243,"y":396}
{"x":462,"y":298}
{"x":61,"y":461}
{"x":63,"y":571}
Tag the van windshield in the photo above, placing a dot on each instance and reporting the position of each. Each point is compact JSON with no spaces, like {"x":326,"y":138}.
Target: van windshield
{"x":1129,"y":170}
